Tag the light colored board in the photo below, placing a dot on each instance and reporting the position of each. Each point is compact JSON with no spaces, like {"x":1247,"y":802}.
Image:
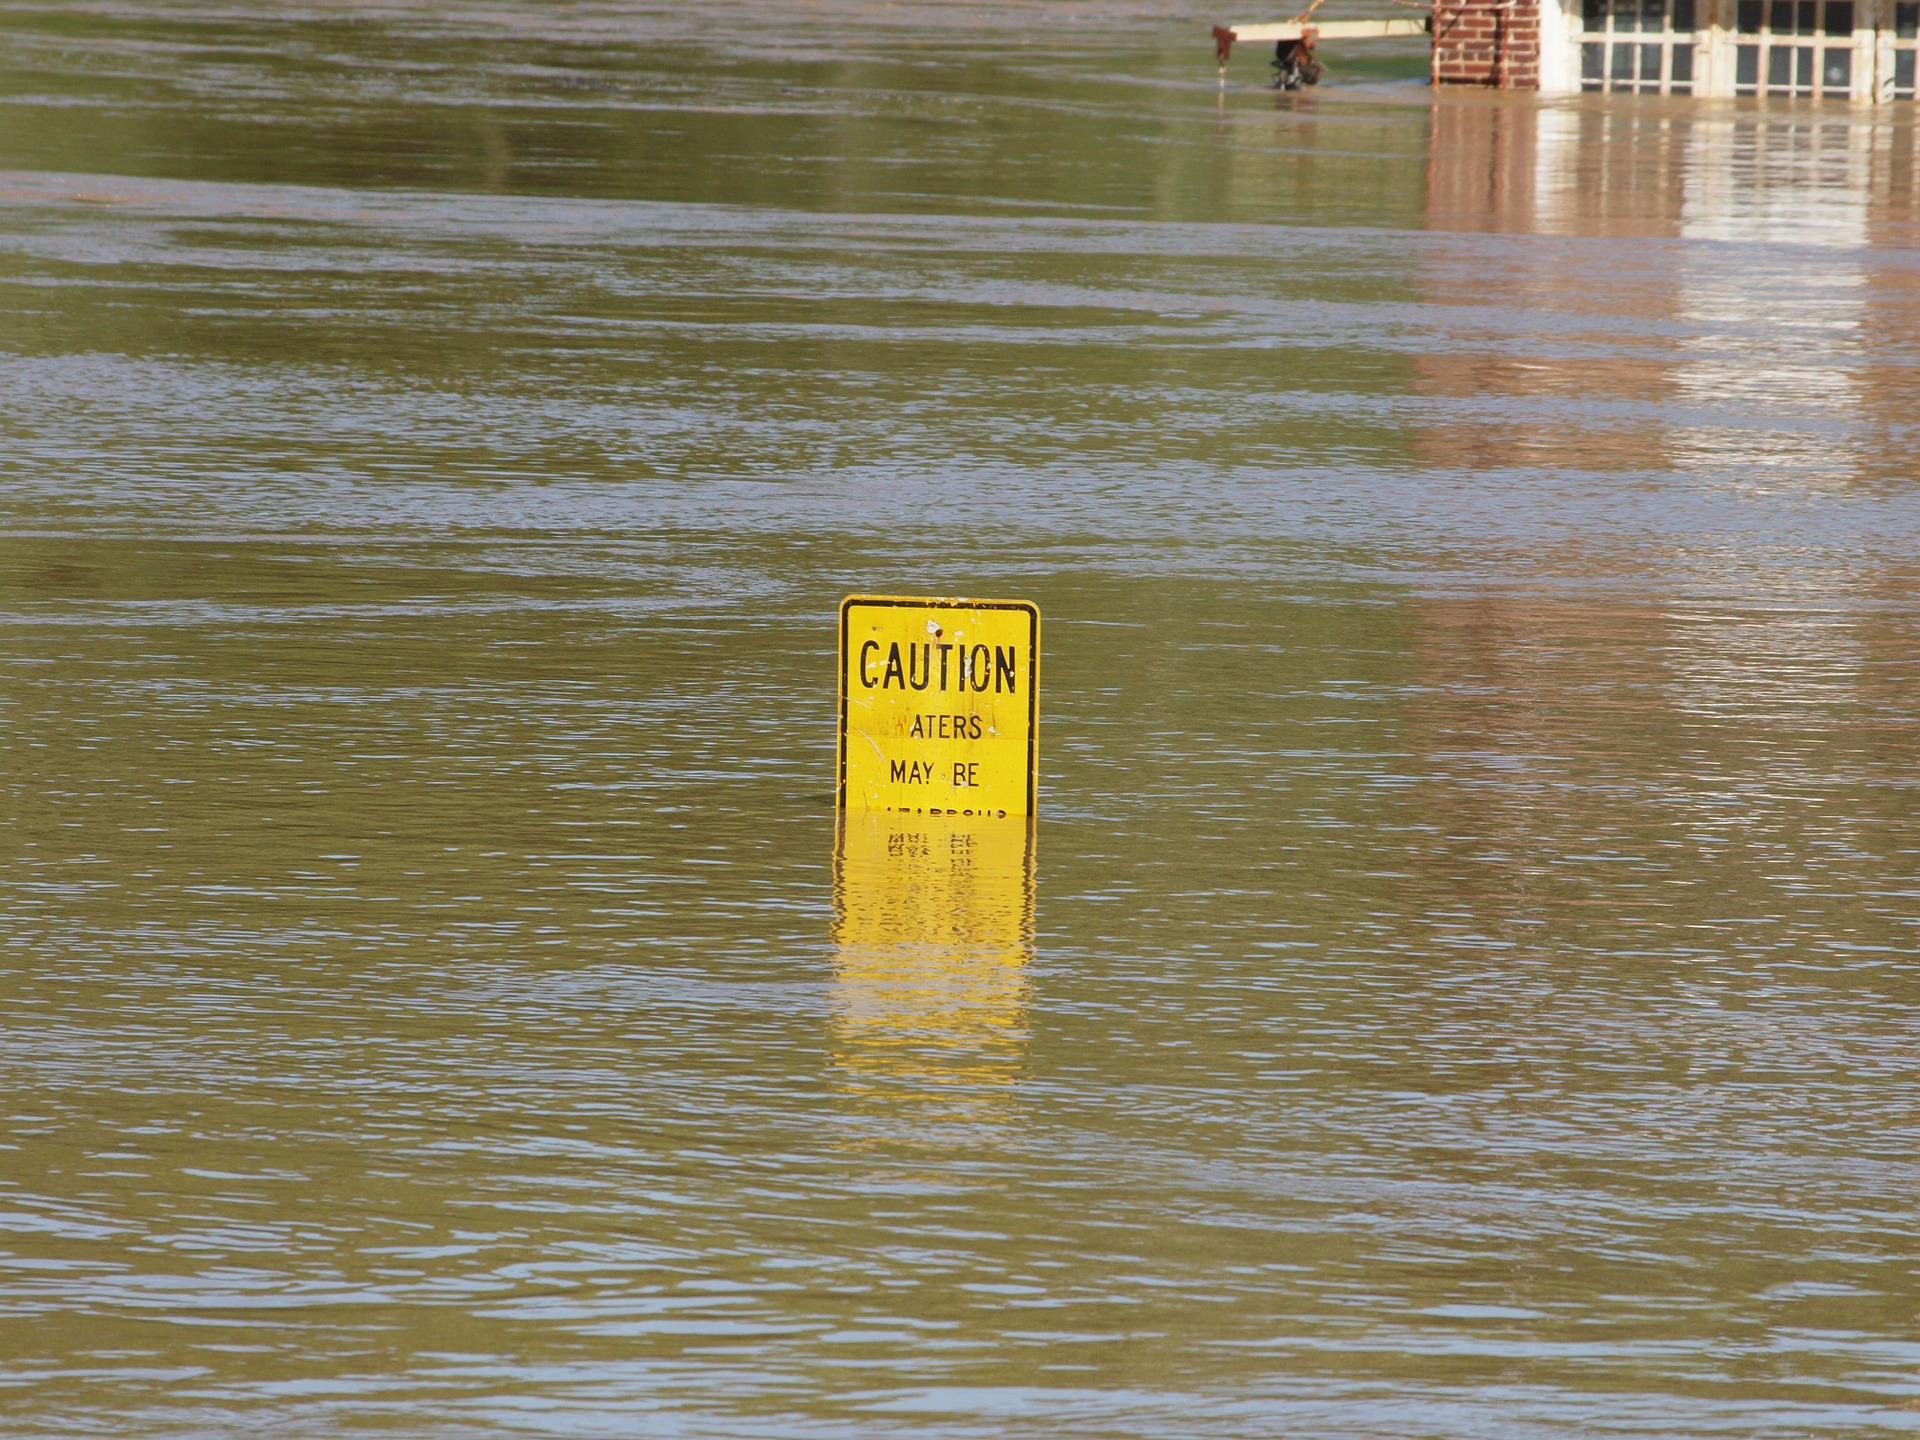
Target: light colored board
{"x":1329,"y":30}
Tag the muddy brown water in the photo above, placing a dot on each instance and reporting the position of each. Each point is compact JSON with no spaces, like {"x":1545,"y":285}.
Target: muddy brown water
{"x":1461,"y":982}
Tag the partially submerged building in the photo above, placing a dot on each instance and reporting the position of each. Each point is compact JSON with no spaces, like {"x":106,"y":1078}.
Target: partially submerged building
{"x":1860,"y":50}
{"x":1857,"y":50}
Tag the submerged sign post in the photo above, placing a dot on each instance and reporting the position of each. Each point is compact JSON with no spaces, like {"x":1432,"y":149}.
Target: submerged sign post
{"x":939,"y":705}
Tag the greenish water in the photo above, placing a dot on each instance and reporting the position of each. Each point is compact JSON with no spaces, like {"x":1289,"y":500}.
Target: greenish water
{"x":1462,"y":979}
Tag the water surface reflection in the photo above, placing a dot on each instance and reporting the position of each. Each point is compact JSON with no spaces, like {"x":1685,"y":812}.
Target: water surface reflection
{"x":932,"y":947}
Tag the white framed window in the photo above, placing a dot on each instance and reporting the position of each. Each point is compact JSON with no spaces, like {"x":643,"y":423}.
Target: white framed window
{"x":1898,"y":50}
{"x":1796,"y":48}
{"x":1647,"y":46}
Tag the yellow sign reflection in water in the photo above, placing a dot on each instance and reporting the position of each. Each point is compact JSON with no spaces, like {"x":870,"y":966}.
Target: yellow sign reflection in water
{"x":939,"y":705}
{"x":933,"y":934}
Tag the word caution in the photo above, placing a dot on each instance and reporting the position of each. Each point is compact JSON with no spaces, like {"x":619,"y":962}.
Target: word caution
{"x":972,"y":669}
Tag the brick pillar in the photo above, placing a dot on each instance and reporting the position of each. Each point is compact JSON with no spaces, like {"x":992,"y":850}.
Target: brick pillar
{"x":1487,"y":42}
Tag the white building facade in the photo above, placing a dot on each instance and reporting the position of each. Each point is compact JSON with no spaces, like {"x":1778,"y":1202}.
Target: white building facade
{"x":1857,"y":50}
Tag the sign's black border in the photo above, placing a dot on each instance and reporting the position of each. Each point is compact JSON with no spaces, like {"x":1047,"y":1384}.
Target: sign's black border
{"x":943,"y":603}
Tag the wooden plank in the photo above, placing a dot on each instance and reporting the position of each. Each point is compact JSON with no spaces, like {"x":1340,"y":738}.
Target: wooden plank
{"x":1329,"y":30}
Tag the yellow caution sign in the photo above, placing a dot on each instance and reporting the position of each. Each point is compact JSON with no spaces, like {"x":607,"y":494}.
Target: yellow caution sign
{"x":939,"y":705}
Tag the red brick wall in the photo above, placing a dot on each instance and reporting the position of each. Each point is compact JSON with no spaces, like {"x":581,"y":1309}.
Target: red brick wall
{"x":1484,"y":42}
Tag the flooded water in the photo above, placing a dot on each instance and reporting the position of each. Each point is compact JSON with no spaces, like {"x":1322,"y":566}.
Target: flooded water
{"x":1461,"y":980}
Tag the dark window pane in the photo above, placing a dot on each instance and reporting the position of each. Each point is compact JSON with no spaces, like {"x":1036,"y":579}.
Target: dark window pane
{"x":1623,"y":62}
{"x":1781,"y":20}
{"x":1750,"y":16}
{"x":1809,"y":17}
{"x":1682,"y":64}
{"x":1803,"y":67}
{"x":1683,"y":16}
{"x":1906,"y":20}
{"x":1780,"y":67}
{"x":1746,"y":65}
{"x":1626,"y":18}
{"x":1593,"y":14}
{"x":1591,"y":56}
{"x":1653,"y":15}
{"x":1839,"y":17}
{"x":1903,"y":73}
{"x":1836,"y":71}
{"x":1650,"y":63}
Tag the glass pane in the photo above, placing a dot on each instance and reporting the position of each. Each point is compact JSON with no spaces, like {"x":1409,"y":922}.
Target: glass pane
{"x":1683,"y":16}
{"x":1750,"y":16}
{"x":1839,"y":17}
{"x":1650,"y":62}
{"x":1593,"y":14}
{"x":1653,"y":15}
{"x":1781,"y":20}
{"x":1803,"y":67}
{"x":1903,"y":73}
{"x":1836,"y":73}
{"x":1780,"y":67}
{"x":1906,"y":20}
{"x":1682,"y":65}
{"x":1591,"y":57}
{"x":1809,"y":17}
{"x":1746,"y":65}
{"x":1623,"y":62}
{"x":1626,"y":19}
